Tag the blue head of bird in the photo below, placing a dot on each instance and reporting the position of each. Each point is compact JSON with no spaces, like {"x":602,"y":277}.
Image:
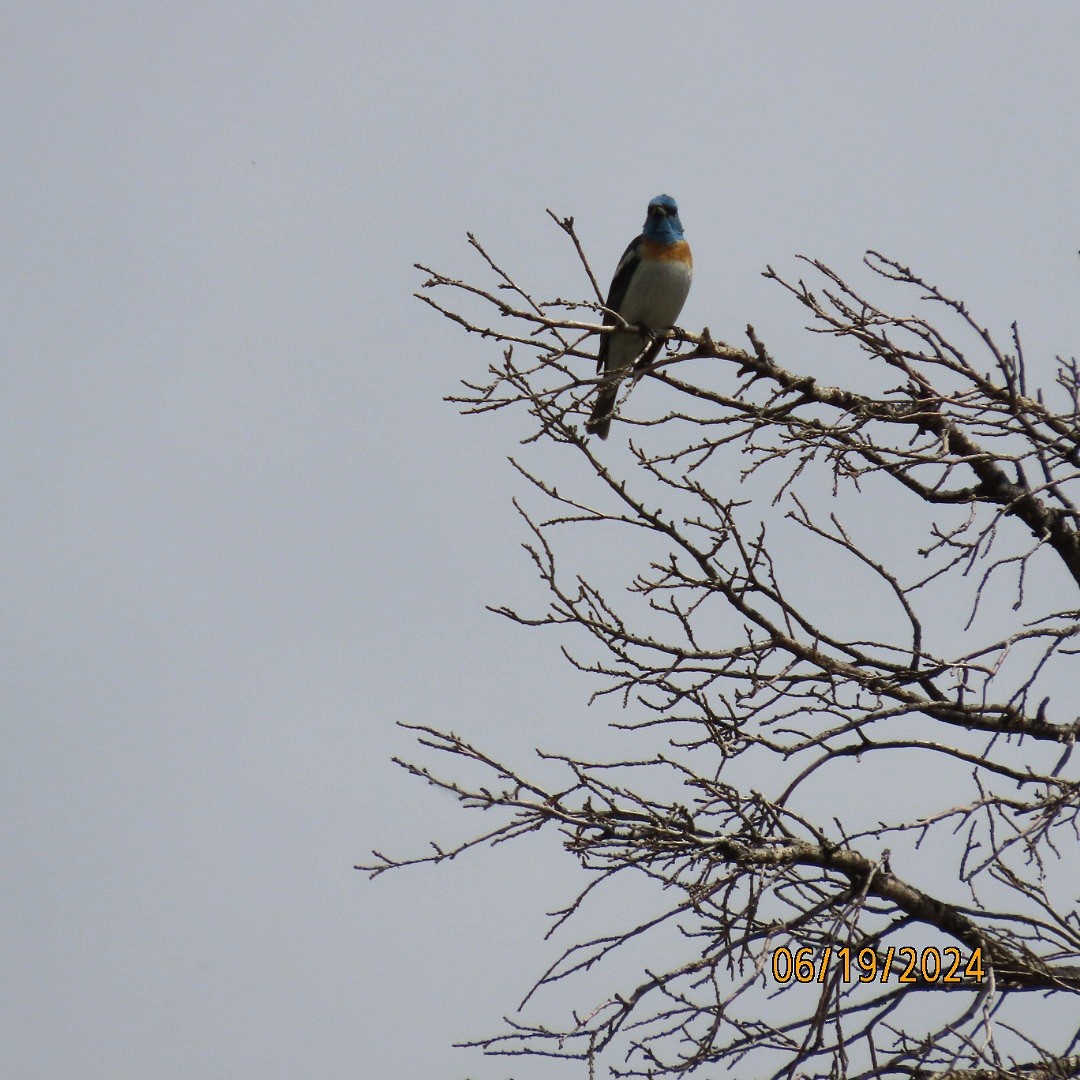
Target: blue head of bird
{"x":662,"y":222}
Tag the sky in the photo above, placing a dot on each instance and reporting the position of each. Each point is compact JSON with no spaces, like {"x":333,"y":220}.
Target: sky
{"x":244,"y":535}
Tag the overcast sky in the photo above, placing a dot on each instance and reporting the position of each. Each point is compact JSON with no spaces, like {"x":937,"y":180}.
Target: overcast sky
{"x":242,"y":533}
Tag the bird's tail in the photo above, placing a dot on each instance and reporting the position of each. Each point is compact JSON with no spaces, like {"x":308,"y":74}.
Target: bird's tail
{"x":599,"y":423}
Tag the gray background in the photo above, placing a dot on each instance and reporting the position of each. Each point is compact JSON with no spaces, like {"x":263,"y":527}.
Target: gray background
{"x":242,"y":535}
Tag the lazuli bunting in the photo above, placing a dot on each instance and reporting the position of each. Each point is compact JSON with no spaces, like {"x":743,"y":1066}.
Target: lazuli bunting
{"x":647,"y":292}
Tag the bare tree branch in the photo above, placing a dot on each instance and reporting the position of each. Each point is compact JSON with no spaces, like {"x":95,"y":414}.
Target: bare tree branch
{"x":854,"y":803}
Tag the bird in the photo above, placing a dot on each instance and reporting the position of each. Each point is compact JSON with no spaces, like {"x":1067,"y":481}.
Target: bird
{"x":647,"y":293}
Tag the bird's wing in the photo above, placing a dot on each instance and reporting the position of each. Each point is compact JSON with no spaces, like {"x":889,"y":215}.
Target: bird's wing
{"x":616,"y":294}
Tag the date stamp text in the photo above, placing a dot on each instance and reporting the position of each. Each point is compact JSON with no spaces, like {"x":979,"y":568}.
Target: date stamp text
{"x":906,"y":965}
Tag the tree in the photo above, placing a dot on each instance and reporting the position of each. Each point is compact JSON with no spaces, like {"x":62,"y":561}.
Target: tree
{"x":856,"y":683}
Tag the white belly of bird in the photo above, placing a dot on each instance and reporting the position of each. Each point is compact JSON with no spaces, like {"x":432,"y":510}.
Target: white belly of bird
{"x":654,"y":299}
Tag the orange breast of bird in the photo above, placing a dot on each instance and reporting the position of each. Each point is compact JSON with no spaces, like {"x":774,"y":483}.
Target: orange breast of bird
{"x":677,"y":252}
